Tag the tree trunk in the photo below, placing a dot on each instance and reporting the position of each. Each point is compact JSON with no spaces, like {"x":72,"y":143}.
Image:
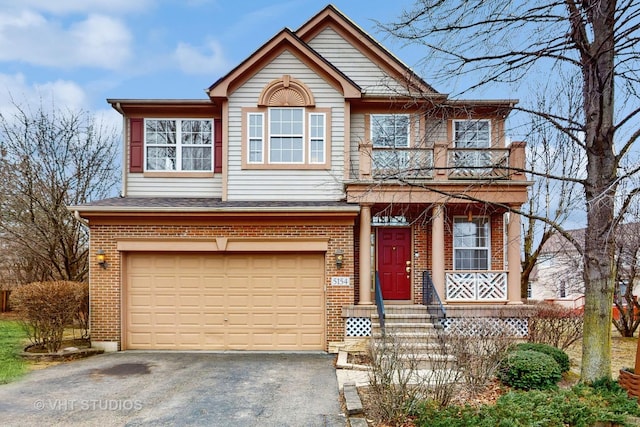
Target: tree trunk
{"x":600,"y":189}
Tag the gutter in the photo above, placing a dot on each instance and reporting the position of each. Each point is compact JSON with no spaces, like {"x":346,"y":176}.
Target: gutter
{"x":119,"y":109}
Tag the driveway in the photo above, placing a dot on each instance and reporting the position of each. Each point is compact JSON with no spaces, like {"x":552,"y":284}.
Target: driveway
{"x":178,"y":389}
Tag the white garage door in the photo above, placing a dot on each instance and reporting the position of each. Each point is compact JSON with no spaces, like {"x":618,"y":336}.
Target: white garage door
{"x":224,"y":302}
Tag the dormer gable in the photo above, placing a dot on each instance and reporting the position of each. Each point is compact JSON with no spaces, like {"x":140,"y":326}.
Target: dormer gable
{"x":286,"y":40}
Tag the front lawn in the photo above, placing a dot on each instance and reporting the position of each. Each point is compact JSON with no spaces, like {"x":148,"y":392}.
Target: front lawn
{"x":12,"y":338}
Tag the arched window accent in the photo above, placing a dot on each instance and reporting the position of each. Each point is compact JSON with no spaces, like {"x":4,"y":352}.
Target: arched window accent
{"x":286,"y":92}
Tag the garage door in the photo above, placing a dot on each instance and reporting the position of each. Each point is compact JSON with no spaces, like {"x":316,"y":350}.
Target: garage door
{"x":224,"y":302}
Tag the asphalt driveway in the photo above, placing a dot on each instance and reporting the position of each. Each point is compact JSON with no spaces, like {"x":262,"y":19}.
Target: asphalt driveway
{"x":178,"y":389}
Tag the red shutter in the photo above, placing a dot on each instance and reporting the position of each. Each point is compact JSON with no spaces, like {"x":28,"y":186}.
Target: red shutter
{"x":136,"y":146}
{"x":217,"y":146}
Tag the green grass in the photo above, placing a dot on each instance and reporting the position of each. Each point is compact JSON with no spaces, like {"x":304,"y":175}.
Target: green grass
{"x":12,"y":338}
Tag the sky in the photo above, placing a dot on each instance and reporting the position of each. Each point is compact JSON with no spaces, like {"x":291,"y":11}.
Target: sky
{"x":78,"y":53}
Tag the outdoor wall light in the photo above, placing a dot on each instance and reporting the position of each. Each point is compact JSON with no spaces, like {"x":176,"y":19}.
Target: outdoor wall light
{"x":339,"y":258}
{"x":100,"y":258}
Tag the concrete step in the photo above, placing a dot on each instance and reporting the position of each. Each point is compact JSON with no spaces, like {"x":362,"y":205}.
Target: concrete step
{"x":404,"y":318}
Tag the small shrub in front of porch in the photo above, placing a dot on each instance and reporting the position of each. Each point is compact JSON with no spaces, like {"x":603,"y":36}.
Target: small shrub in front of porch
{"x":555,"y":325}
{"x":529,"y":370}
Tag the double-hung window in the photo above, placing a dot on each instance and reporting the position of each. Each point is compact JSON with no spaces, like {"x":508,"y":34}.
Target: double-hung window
{"x":178,"y":145}
{"x":390,"y":132}
{"x":471,"y":243}
{"x":286,"y":135}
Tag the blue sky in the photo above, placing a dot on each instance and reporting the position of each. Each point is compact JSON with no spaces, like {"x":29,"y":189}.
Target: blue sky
{"x":80,"y":52}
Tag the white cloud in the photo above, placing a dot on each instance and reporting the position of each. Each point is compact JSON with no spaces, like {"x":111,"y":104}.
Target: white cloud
{"x":97,"y":41}
{"x":15,"y":90}
{"x":205,"y":60}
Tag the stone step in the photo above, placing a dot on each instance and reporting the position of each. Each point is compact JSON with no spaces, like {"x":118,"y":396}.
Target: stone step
{"x":404,"y":318}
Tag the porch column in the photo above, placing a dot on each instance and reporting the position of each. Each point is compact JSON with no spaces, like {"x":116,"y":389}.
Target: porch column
{"x":365,"y":256}
{"x":513,"y":259}
{"x":437,"y":250}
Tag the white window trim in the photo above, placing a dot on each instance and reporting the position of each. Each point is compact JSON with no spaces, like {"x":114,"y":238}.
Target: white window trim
{"x":453,"y":130}
{"x":487,"y":248}
{"x":178,"y":145}
{"x":249,"y":138}
{"x":302,"y":135}
{"x":324,"y":137}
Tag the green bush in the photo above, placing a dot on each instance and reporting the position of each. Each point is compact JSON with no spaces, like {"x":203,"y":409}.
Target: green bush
{"x":528,"y":369}
{"x":578,"y":406}
{"x":560,"y":356}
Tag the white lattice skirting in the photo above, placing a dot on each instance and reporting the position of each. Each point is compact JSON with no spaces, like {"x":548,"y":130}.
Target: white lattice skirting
{"x":358,"y":327}
{"x":486,"y":326}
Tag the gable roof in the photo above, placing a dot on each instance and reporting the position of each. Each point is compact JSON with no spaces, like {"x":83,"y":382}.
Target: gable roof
{"x":297,"y":43}
{"x":286,"y":40}
{"x":332,"y":17}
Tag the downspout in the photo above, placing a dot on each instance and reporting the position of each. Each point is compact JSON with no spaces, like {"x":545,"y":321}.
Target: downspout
{"x":77,"y":216}
{"x":124,"y":150}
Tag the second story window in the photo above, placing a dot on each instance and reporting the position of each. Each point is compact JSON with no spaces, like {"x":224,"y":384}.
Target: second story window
{"x":178,"y":144}
{"x":388,"y":133}
{"x":472,"y":133}
{"x":471,"y":244}
{"x":286,"y":135}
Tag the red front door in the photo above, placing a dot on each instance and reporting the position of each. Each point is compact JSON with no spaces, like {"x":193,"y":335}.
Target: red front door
{"x":394,"y":262}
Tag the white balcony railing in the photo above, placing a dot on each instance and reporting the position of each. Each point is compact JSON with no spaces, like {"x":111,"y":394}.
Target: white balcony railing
{"x":476,"y":286}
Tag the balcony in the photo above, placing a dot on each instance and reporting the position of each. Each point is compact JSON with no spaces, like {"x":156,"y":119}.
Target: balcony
{"x":441,"y":163}
{"x":476,"y":286}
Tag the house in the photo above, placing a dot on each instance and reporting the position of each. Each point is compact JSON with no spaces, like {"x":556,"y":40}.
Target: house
{"x":258,"y":217}
{"x":557,"y":276}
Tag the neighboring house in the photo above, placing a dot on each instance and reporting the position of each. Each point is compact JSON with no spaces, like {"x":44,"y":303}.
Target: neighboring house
{"x":257,"y":218}
{"x":557,"y":276}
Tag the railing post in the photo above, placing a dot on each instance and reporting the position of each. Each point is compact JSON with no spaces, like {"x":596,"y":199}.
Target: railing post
{"x":366,"y":156}
{"x":440,"y":162}
{"x":517,"y":160}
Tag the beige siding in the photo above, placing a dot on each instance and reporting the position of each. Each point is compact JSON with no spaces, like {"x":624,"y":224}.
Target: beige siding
{"x":435,"y":130}
{"x":370,"y":77}
{"x":357,"y":138}
{"x":282,"y":184}
{"x":139,"y":186}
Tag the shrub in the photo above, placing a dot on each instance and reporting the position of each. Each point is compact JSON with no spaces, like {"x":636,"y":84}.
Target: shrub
{"x":555,"y":325}
{"x":46,"y":308}
{"x":579,"y":406}
{"x":528,"y":369}
{"x":560,"y":356}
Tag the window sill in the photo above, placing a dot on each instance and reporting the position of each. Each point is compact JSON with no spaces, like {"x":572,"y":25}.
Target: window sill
{"x":178,"y":174}
{"x":285,"y":166}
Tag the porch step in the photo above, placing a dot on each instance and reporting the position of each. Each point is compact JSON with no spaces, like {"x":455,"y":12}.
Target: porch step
{"x":412,"y":331}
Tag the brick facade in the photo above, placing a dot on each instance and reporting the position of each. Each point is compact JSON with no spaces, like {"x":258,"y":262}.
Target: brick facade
{"x":105,"y":284}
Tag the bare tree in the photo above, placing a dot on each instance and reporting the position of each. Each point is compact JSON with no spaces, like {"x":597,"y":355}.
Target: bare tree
{"x":51,"y":158}
{"x":594,"y":40}
{"x":551,"y":154}
{"x":628,"y":273}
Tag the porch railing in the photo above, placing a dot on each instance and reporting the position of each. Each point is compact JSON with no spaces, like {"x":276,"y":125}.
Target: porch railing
{"x":379,"y":302}
{"x":430,"y":297}
{"x":476,"y":286}
{"x":478,"y":163}
{"x":402,"y":162}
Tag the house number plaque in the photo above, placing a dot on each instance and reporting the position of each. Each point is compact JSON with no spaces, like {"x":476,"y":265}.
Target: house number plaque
{"x":340,"y":281}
